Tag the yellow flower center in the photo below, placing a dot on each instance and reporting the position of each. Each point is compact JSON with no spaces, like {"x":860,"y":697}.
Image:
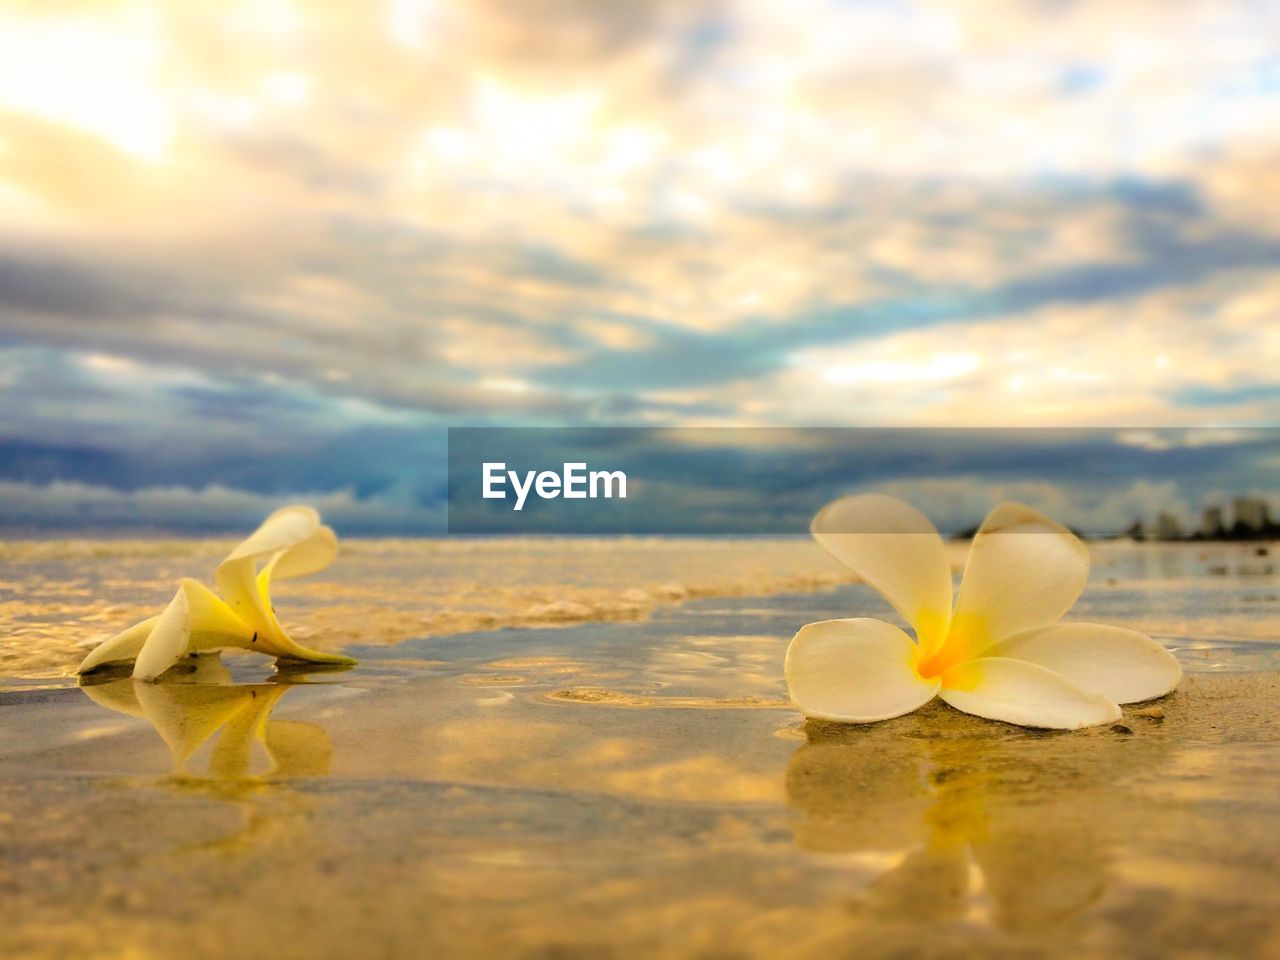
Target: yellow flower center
{"x":965,"y":636}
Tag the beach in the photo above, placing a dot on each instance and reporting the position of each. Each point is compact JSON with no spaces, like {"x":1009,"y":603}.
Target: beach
{"x":611,"y":767}
{"x":443,"y":433}
{"x":60,"y":598}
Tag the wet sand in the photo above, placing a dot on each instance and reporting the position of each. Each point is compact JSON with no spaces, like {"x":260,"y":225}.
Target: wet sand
{"x":642,"y":788}
{"x":929,"y":836}
{"x":61,"y":598}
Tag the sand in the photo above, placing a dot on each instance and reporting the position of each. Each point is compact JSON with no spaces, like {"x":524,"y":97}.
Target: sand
{"x":640,"y":788}
{"x":60,"y":598}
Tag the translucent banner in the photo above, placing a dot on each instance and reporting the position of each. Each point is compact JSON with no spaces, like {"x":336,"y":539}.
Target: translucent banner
{"x":1172,"y":483}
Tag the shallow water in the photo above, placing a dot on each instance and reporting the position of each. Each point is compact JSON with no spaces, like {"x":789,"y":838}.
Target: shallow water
{"x":642,"y":788}
{"x":60,"y":598}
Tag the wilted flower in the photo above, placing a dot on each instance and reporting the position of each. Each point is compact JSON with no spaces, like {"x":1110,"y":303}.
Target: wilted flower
{"x":240,"y":613}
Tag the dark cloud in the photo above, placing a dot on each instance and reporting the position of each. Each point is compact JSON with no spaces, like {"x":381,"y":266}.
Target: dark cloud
{"x":46,"y":286}
{"x":127,"y":426}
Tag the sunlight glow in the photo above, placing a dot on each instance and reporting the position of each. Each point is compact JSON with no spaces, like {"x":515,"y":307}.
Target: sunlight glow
{"x":523,"y":128}
{"x":407,"y":21}
{"x":112,"y":93}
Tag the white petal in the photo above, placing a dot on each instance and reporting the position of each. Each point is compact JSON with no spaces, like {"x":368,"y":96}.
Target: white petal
{"x":310,"y":555}
{"x":209,"y":625}
{"x":1122,"y":665}
{"x":124,"y":646}
{"x":1016,"y":691}
{"x":167,"y":641}
{"x":856,"y":671}
{"x":1023,"y":571}
{"x":204,"y":622}
{"x":893,"y":547}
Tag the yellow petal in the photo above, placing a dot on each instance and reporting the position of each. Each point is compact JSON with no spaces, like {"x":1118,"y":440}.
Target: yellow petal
{"x":278,"y":642}
{"x":856,"y":671}
{"x":213,"y":624}
{"x":1024,"y":571}
{"x":208,"y":624}
{"x":1122,"y":665}
{"x":294,"y":543}
{"x":236,"y":576}
{"x":894,"y":548}
{"x":121,"y":648}
{"x":196,"y":620}
{"x":1017,"y":691}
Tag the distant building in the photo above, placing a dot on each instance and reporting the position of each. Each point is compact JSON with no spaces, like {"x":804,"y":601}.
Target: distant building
{"x":1212,"y":523}
{"x":1251,"y":513}
{"x":1168,"y":527}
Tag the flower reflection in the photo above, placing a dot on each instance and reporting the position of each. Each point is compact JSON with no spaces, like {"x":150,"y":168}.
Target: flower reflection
{"x":958,"y":822}
{"x":192,"y":708}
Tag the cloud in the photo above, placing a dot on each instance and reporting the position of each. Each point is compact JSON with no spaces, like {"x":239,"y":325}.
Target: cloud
{"x":104,"y":420}
{"x":292,"y":226}
{"x":91,"y":509}
{"x":684,"y":481}
{"x":1201,"y":353}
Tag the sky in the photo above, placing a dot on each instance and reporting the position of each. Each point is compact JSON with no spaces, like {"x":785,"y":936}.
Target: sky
{"x":268,"y":251}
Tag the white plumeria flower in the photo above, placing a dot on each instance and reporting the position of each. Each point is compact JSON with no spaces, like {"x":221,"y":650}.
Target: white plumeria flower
{"x":197,"y":619}
{"x":1000,"y":653}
